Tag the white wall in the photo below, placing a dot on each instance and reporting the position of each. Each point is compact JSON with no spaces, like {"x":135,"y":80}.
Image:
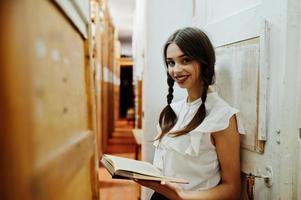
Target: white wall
{"x":297,"y":181}
{"x":152,"y":28}
{"x":290,"y":168}
{"x":138,"y":41}
{"x":126,"y":48}
{"x":162,"y":18}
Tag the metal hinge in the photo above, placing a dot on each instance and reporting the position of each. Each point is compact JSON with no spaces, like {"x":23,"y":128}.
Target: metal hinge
{"x":268,"y":177}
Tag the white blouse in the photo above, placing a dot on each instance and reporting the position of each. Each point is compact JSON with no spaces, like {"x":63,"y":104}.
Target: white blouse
{"x":192,"y":156}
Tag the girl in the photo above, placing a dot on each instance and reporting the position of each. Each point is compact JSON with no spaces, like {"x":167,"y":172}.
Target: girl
{"x":198,"y":137}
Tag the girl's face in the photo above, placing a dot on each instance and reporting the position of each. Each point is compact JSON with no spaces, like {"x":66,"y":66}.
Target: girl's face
{"x":184,"y":70}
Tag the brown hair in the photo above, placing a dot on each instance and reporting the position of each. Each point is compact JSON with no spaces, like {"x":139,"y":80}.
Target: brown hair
{"x":195,"y":44}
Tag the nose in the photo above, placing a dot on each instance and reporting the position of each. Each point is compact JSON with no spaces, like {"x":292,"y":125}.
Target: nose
{"x":177,"y":67}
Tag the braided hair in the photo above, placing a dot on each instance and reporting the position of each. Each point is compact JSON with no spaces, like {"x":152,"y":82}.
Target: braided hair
{"x":168,"y":117}
{"x":195,"y":44}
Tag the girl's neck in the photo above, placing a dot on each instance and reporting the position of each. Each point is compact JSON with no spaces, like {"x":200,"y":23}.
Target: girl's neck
{"x":194,"y":94}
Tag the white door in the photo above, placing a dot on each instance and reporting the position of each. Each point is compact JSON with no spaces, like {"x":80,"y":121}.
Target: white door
{"x":253,"y":72}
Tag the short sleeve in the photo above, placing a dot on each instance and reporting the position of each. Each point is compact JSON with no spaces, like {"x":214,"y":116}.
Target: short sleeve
{"x":217,"y":120}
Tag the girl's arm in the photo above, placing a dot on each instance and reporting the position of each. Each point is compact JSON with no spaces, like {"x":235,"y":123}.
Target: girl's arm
{"x":227,"y":143}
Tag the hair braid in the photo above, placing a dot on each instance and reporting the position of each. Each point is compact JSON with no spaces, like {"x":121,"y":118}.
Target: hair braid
{"x":170,"y":83}
{"x":203,"y":107}
{"x":168,"y":117}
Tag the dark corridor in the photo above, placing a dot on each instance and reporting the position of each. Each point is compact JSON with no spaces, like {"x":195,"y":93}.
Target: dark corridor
{"x":126,"y":90}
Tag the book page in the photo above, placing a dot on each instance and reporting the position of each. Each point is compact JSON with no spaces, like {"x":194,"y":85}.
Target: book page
{"x":131,"y":165}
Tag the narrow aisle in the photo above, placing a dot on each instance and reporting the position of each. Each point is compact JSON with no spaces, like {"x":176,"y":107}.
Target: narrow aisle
{"x":122,"y":144}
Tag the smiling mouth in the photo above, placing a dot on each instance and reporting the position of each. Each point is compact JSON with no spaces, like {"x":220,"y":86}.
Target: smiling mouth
{"x":181,"y":79}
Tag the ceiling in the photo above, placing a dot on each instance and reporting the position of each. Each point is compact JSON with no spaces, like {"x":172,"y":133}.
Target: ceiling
{"x":122,"y":12}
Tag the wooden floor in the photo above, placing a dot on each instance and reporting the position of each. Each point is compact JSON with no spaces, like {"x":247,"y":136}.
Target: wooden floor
{"x":121,"y":144}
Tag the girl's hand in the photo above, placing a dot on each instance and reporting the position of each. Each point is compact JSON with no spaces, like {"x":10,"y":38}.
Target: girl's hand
{"x":168,"y":189}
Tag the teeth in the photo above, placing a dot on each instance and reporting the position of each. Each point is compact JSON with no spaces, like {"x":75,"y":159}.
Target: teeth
{"x":181,"y":78}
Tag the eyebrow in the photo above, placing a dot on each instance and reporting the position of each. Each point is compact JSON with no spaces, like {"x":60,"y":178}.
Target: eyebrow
{"x":180,"y":56}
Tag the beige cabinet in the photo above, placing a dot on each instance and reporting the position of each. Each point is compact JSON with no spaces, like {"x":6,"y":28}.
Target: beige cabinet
{"x":47,"y":143}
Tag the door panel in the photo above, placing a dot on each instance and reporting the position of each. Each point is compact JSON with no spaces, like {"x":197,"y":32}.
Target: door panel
{"x":235,"y":32}
{"x":239,"y":33}
{"x":46,"y":91}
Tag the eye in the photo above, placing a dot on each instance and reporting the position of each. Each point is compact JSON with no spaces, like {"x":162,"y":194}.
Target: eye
{"x":186,"y":61}
{"x":170,"y":63}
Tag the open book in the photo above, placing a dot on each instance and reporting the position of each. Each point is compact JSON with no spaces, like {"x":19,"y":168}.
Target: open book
{"x":124,"y":168}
